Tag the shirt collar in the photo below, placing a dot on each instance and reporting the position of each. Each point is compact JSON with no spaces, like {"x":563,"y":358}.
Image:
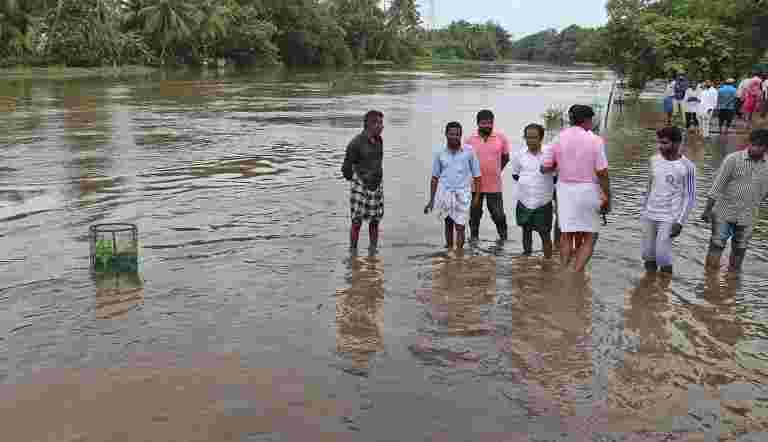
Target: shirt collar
{"x":493,"y":134}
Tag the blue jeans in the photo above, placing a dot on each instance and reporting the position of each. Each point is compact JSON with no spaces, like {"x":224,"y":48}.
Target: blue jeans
{"x":722,"y":231}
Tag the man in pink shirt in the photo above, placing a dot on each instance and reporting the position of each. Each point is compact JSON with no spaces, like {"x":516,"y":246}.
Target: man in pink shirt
{"x":492,"y":150}
{"x":583,"y":188}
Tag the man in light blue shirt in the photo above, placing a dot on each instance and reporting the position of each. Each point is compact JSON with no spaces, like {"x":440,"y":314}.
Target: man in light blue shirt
{"x":727,"y":103}
{"x":455,"y":178}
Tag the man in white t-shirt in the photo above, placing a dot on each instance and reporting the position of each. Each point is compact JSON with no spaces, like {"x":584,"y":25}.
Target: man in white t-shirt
{"x":670,"y":199}
{"x":535,"y":211}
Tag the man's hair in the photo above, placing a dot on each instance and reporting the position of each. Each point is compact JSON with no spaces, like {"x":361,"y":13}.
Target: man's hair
{"x":579,"y":113}
{"x":538,"y":127}
{"x":485,"y":115}
{"x":672,"y":133}
{"x":453,"y":125}
{"x":759,"y":137}
{"x":371,"y":115}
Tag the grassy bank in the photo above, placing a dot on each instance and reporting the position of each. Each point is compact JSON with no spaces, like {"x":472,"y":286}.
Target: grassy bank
{"x":63,"y":72}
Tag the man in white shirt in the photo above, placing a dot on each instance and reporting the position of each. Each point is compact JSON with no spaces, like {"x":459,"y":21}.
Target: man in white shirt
{"x":669,"y":201}
{"x":707,"y":108}
{"x":535,"y":210}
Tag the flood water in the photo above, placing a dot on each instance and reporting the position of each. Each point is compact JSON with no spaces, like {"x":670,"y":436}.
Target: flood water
{"x":251,"y":320}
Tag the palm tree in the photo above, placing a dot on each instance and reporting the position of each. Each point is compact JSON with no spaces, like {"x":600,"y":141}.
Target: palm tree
{"x":214,"y":18}
{"x":169,"y":21}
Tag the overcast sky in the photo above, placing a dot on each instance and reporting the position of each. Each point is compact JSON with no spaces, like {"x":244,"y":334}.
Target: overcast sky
{"x":520,"y":17}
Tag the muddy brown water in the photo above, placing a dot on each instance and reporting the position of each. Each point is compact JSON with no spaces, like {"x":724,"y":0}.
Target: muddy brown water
{"x":251,"y":320}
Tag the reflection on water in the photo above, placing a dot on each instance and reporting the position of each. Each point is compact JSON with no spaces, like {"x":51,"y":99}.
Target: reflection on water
{"x":117,"y":294}
{"x":359,"y":313}
{"x":234,"y":182}
{"x":155,"y":398}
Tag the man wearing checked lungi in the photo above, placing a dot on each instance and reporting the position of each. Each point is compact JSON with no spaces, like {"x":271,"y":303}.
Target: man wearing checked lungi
{"x":363,"y":168}
{"x":455,"y":179}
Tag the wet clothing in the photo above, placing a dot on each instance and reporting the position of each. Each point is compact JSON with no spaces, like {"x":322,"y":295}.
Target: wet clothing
{"x":739,"y":187}
{"x":539,"y":219}
{"x":657,"y":244}
{"x":578,"y":155}
{"x":670,"y":199}
{"x":535,"y":189}
{"x":671,"y":192}
{"x":723,"y":231}
{"x":495,"y":204}
{"x":365,"y":204}
{"x":455,"y":171}
{"x":489,"y":153}
{"x":364,"y":158}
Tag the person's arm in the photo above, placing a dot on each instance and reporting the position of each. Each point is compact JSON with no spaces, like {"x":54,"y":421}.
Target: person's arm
{"x":514,"y":167}
{"x":649,"y":184}
{"x":689,"y":199}
{"x":549,"y":159}
{"x":504,"y":151}
{"x":601,"y":170}
{"x":474,"y":166}
{"x":350,"y":159}
{"x":718,"y":187}
{"x":437,"y":170}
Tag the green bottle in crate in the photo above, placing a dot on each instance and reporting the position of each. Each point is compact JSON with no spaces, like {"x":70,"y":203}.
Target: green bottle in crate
{"x":104,"y":254}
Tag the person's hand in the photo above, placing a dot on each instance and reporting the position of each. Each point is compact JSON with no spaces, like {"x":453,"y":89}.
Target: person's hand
{"x":707,"y":216}
{"x":476,"y":201}
{"x":676,"y":230}
{"x":605,"y":205}
{"x":429,"y":207}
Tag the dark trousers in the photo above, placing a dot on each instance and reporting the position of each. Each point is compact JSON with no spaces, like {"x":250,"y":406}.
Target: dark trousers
{"x":495,"y":204}
{"x":691,"y":120}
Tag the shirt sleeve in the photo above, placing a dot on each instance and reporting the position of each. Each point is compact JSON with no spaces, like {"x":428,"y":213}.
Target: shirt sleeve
{"x":550,"y":156}
{"x":514,"y":164}
{"x":437,"y":166}
{"x":350,"y":159}
{"x":504,"y":145}
{"x":601,"y":162}
{"x":474,"y":165}
{"x":722,"y":178}
{"x":689,"y":192}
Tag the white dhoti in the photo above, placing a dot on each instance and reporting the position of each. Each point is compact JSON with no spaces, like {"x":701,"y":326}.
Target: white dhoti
{"x":453,"y":204}
{"x":578,"y":207}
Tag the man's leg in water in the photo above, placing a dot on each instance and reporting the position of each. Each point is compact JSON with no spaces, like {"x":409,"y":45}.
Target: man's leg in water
{"x":354,"y":234}
{"x":373,"y":232}
{"x":566,"y":248}
{"x":584,"y":251}
{"x":449,"y":232}
{"x":527,"y":240}
{"x":720,"y":235}
{"x":546,"y":243}
{"x":739,"y":245}
{"x":460,"y":237}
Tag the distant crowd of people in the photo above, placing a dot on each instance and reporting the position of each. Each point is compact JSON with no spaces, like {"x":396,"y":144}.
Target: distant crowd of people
{"x":701,"y":102}
{"x":566,"y":185}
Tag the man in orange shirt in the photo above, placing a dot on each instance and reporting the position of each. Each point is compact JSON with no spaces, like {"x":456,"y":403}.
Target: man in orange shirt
{"x":492,"y":149}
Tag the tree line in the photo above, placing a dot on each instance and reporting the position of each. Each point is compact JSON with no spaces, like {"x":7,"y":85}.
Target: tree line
{"x":157,"y":32}
{"x":705,"y":39}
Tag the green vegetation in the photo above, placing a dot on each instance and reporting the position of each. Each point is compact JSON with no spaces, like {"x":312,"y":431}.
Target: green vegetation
{"x":89,"y":33}
{"x":566,"y":47}
{"x":646,"y":39}
{"x":462,"y":40}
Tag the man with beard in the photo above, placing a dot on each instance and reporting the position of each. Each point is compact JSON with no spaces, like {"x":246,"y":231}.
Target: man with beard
{"x":670,"y":199}
{"x":492,"y":149}
{"x":363,"y":168}
{"x":455,"y":179}
{"x":739,"y":187}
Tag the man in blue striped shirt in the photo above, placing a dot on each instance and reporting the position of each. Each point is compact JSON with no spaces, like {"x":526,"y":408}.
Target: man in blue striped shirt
{"x":741,"y":184}
{"x":670,"y":198}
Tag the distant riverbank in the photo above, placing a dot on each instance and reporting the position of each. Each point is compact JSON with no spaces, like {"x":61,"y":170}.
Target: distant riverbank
{"x":64,"y":72}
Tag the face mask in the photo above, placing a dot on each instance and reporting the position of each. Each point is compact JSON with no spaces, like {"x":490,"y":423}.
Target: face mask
{"x":485,"y":131}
